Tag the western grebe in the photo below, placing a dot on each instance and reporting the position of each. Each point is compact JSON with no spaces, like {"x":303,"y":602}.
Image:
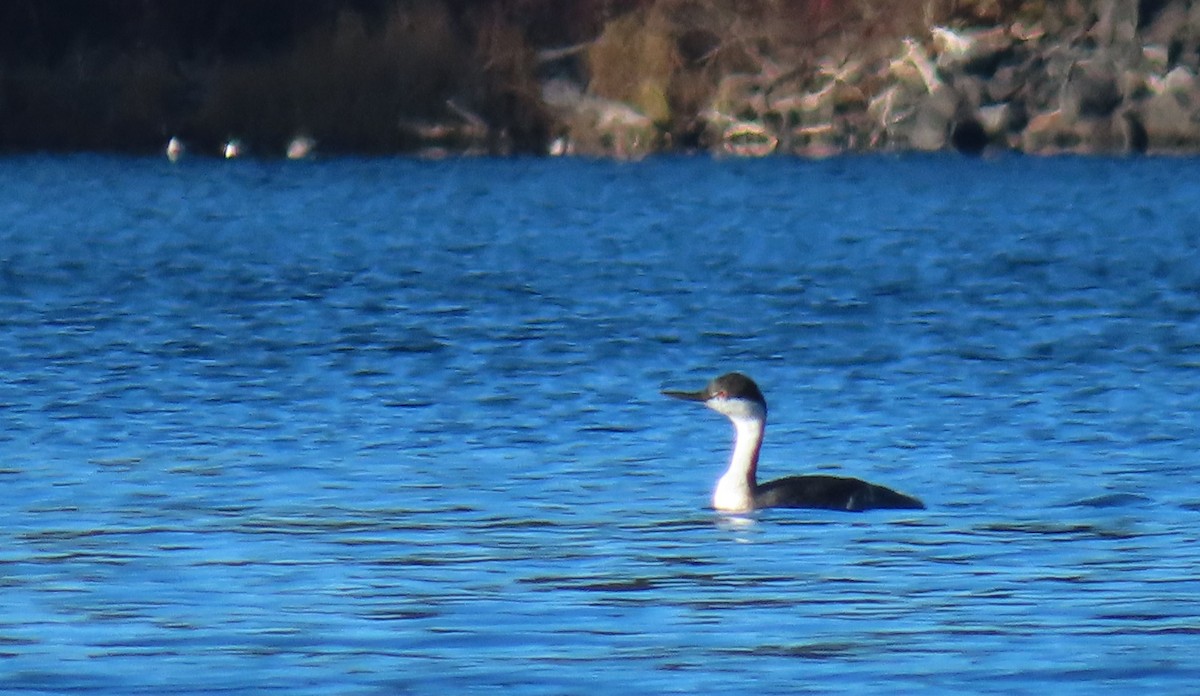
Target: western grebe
{"x":738,"y":398}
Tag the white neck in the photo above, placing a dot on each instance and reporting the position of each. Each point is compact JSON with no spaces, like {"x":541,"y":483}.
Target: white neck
{"x":735,"y":489}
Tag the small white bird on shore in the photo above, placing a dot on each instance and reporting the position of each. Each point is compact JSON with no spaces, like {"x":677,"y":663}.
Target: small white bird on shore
{"x":301,"y":147}
{"x":174,"y":149}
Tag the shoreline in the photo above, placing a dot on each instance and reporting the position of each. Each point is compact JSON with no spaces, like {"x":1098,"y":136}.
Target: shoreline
{"x":808,"y":78}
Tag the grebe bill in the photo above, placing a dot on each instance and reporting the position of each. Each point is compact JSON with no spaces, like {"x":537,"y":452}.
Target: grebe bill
{"x":738,"y":398}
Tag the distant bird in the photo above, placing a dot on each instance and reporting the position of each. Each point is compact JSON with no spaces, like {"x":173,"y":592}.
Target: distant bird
{"x":301,"y":147}
{"x":233,"y":149}
{"x":738,"y":398}
{"x":174,"y":149}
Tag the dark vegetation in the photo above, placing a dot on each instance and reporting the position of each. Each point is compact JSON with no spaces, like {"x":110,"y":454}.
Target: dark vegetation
{"x":361,"y":75}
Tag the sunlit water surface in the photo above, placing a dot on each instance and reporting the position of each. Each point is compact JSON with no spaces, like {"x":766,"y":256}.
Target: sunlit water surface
{"x":378,"y":427}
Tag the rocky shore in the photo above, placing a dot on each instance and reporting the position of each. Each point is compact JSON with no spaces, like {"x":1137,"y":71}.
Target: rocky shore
{"x":620,"y":79}
{"x":1106,"y":77}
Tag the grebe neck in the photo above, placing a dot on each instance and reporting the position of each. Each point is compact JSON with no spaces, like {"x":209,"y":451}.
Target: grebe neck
{"x":735,"y":489}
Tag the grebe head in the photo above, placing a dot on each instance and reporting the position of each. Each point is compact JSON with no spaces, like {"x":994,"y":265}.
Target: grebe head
{"x":733,"y":395}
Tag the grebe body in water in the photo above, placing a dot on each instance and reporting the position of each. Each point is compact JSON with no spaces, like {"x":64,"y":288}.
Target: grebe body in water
{"x":738,"y":398}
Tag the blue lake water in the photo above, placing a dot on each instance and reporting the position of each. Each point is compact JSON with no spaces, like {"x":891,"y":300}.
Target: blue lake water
{"x":394,"y":426}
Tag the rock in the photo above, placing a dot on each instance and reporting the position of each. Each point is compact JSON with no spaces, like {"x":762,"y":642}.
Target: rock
{"x":1116,"y":27}
{"x":1110,"y":135}
{"x":748,"y":139}
{"x":739,"y":94}
{"x":599,"y":127}
{"x":848,"y":98}
{"x":818,"y":140}
{"x":1182,"y":83}
{"x":951,"y":45}
{"x":1155,"y":58}
{"x":997,"y":120}
{"x":926,"y":125}
{"x":809,"y":106}
{"x":889,"y":107}
{"x":971,"y":52}
{"x":1169,"y":114}
{"x":1048,"y":133}
{"x":561,"y":94}
{"x":623,"y":132}
{"x":1055,"y":132}
{"x":1161,"y":26}
{"x":1003,"y":85}
{"x":1092,"y":90}
{"x":914,"y":68}
{"x":1025,"y":31}
{"x":1075,"y":76}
